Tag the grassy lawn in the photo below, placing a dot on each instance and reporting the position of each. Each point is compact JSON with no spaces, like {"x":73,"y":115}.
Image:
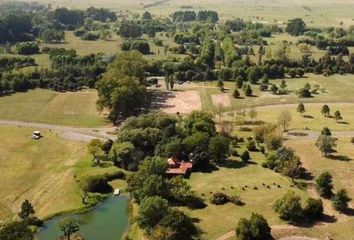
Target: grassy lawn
{"x":343,"y":177}
{"x":44,"y":106}
{"x":40,"y":171}
{"x":337,"y":89}
{"x":218,"y":220}
{"x":313,"y":119}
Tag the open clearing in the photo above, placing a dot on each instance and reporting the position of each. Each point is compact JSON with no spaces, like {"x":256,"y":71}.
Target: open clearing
{"x":40,"y":171}
{"x":312,"y":118}
{"x":45,"y":106}
{"x":221,"y":100}
{"x":173,"y":102}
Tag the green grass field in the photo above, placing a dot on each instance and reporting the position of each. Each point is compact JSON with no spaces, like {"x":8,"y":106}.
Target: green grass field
{"x":40,"y":171}
{"x":337,"y":89}
{"x":45,"y":106}
{"x":342,"y":172}
{"x":218,"y":220}
{"x":312,"y":119}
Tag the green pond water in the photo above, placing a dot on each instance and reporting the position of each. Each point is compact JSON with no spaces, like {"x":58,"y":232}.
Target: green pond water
{"x":107,"y":221}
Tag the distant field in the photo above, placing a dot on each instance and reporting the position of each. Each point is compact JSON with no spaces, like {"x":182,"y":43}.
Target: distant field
{"x":40,"y":171}
{"x":317,"y":12}
{"x":218,"y":220}
{"x":337,"y":89}
{"x":45,"y":106}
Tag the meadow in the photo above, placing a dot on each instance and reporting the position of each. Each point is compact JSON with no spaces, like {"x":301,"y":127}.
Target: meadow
{"x":45,"y":106}
{"x":40,"y":171}
{"x":218,"y":220}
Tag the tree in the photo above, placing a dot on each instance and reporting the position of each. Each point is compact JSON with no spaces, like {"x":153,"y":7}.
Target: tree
{"x":313,"y":208}
{"x":236,"y":94}
{"x":326,"y":131}
{"x":151,"y":211}
{"x":16,"y":230}
{"x":121,"y":89}
{"x":337,"y":115}
{"x":69,"y":227}
{"x":220,"y":85}
{"x":130,"y":29}
{"x":219,"y":148}
{"x":274,"y":89}
{"x":252,"y":113}
{"x":248,"y":90}
{"x":284,"y":119}
{"x":292,"y":167}
{"x":301,"y":108}
{"x":324,"y":184}
{"x":26,"y":210}
{"x":340,"y":200}
{"x":326,"y":144}
{"x":147,"y":15}
{"x":257,"y":228}
{"x":292,"y":73}
{"x":296,"y":27}
{"x":245,"y":156}
{"x":95,"y":148}
{"x":325,"y":110}
{"x":178,"y":225}
{"x":288,"y":206}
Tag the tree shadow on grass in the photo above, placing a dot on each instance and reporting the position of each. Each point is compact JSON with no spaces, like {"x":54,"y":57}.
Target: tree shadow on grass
{"x":234,"y":164}
{"x":349,"y":212}
{"x":340,"y":158}
{"x":211,"y":168}
{"x":308,"y":223}
{"x":308,"y":116}
{"x":343,"y":122}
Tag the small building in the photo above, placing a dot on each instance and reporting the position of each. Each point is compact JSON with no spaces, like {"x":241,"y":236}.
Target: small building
{"x":177,"y":167}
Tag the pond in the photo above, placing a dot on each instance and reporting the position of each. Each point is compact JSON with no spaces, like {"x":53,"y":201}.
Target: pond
{"x":109,"y":221}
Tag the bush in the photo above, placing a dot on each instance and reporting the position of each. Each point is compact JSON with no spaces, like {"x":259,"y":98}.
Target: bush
{"x":340,"y":200}
{"x":90,"y":36}
{"x":288,"y":207}
{"x":245,"y":156}
{"x":80,"y":32}
{"x":256,"y":228}
{"x":137,"y":45}
{"x":27,"y":48}
{"x":251,"y":146}
{"x":94,"y":183}
{"x":233,"y":152}
{"x":313,"y":209}
{"x":219,"y":198}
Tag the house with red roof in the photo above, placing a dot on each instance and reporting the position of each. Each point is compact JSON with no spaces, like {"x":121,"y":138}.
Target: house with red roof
{"x":177,"y":167}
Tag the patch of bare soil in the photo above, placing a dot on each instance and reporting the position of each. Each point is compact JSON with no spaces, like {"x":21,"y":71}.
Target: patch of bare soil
{"x":183,"y":102}
{"x":221,"y":100}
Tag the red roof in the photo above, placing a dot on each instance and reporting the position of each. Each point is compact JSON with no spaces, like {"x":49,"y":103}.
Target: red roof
{"x":178,"y":167}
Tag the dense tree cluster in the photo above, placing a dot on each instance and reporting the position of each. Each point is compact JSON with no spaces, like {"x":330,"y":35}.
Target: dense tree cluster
{"x":193,"y":138}
{"x":136,"y":45}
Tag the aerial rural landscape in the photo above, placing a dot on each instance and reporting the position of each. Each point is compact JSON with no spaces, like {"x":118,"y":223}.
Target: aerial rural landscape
{"x":177,"y":120}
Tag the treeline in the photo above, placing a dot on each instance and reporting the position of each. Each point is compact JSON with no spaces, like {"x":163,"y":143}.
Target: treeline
{"x":189,"y":16}
{"x":9,"y":63}
{"x":68,"y":73}
{"x":23,"y":26}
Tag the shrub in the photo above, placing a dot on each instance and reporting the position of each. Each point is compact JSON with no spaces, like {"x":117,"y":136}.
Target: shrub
{"x":245,"y":156}
{"x":324,"y":184}
{"x":313,"y":209}
{"x":288,"y":207}
{"x":94,"y":183}
{"x":256,"y":228}
{"x":27,"y":48}
{"x":80,"y":32}
{"x":90,"y":36}
{"x":340,"y":200}
{"x":219,"y":198}
{"x":251,"y":145}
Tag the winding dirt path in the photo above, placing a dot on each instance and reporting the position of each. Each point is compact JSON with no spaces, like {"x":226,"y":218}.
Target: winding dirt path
{"x":69,"y":133}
